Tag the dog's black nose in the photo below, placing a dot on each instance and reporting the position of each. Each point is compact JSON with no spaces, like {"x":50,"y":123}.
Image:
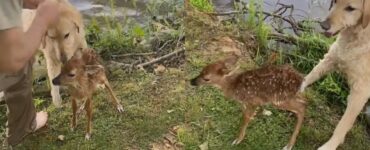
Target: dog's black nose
{"x":325,"y":25}
{"x":56,"y":81}
{"x":193,"y":82}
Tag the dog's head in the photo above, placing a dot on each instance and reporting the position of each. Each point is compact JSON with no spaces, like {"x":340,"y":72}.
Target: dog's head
{"x":77,"y":69}
{"x":213,"y":74}
{"x":346,"y":13}
{"x":67,"y":34}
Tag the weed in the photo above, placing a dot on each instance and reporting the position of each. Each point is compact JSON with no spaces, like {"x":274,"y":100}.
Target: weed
{"x":202,"y":5}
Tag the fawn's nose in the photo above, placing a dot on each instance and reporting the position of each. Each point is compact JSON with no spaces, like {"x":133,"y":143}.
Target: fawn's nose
{"x":325,"y":25}
{"x":193,"y":82}
{"x":56,"y":81}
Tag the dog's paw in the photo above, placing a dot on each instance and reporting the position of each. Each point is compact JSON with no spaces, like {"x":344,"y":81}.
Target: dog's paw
{"x":237,"y":141}
{"x":302,"y":87}
{"x":326,"y":147}
{"x":87,"y":136}
{"x":120,"y":108}
{"x":287,"y":148}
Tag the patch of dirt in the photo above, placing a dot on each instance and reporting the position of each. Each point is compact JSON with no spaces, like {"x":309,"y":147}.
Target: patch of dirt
{"x":169,"y":141}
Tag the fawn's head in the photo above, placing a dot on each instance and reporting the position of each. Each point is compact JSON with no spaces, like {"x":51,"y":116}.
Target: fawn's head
{"x":346,"y":13}
{"x":76,"y":69}
{"x":214,"y":74}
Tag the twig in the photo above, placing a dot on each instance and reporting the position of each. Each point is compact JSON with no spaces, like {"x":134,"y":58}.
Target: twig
{"x":120,"y":65}
{"x":132,"y":54}
{"x":142,"y":65}
{"x":294,"y":25}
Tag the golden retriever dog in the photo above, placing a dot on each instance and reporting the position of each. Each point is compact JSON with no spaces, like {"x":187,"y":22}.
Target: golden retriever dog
{"x":60,"y":42}
{"x":349,"y":54}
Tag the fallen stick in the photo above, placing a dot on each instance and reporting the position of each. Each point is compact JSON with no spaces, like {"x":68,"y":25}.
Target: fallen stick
{"x":294,"y":25}
{"x":140,"y":66}
{"x":133,"y":54}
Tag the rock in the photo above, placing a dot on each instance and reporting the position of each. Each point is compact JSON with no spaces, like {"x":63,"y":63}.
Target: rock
{"x":61,"y":137}
{"x":267,"y":112}
{"x":204,"y":146}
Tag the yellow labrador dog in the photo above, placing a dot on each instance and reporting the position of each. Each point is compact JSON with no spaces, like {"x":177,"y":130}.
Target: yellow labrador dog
{"x":349,"y":54}
{"x":60,"y":42}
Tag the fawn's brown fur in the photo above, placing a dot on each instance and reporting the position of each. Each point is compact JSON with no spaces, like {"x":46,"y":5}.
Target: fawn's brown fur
{"x":277,"y":85}
{"x":83,"y":74}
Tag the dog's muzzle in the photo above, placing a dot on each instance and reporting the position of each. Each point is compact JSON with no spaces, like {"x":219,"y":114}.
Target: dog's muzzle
{"x":325,"y":25}
{"x":56,"y":80}
{"x":194,"y":82}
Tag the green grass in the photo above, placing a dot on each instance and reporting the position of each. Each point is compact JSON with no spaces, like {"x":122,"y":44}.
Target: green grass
{"x":154,"y":104}
{"x":145,"y":120}
{"x":202,"y":5}
{"x":214,"y":119}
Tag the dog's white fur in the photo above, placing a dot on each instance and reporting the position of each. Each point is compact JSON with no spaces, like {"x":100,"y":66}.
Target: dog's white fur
{"x":60,"y":42}
{"x":349,"y":54}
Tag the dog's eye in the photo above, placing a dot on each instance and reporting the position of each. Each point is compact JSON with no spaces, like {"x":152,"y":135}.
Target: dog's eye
{"x":349,"y":8}
{"x":66,"y":36}
{"x":71,"y":75}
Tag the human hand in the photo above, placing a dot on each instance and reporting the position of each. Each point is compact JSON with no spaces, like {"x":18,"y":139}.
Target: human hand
{"x":49,"y":11}
{"x":32,"y":4}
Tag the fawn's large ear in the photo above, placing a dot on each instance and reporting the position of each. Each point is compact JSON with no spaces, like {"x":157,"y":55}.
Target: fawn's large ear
{"x":365,"y":13}
{"x":93,"y":69}
{"x":230,"y":63}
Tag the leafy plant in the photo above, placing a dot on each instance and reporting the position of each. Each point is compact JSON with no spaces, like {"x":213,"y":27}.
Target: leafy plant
{"x":202,"y":5}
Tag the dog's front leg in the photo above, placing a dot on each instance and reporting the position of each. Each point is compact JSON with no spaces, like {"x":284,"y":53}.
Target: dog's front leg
{"x":54,"y":69}
{"x":356,"y":101}
{"x":325,"y":66}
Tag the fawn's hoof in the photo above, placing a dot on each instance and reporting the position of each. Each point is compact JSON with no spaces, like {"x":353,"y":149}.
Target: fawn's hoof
{"x":120,"y":108}
{"x":287,"y":148}
{"x":87,"y":136}
{"x":237,"y":141}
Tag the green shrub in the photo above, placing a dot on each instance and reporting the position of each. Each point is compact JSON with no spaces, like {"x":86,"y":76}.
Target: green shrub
{"x":202,"y":5}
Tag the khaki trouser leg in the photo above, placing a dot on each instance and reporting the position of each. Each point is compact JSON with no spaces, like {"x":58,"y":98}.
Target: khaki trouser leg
{"x":21,"y":110}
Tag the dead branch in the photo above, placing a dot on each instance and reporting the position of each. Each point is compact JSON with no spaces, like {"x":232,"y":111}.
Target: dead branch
{"x":142,"y":65}
{"x":133,"y":54}
{"x":276,"y":14}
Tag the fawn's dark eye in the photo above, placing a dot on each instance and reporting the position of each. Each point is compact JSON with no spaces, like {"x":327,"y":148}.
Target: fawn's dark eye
{"x":71,"y":75}
{"x":206,"y":79}
{"x":66,"y":36}
{"x":349,"y":8}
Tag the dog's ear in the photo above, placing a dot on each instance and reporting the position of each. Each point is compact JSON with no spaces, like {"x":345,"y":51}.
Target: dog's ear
{"x":366,"y":13}
{"x":77,"y":27}
{"x":93,"y":69}
{"x":43,"y":41}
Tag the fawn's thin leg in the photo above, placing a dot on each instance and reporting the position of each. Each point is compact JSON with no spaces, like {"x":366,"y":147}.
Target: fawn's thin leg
{"x":74,"y":110}
{"x":88,"y":107}
{"x":114,"y":100}
{"x":298,"y":107}
{"x":248,"y":113}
